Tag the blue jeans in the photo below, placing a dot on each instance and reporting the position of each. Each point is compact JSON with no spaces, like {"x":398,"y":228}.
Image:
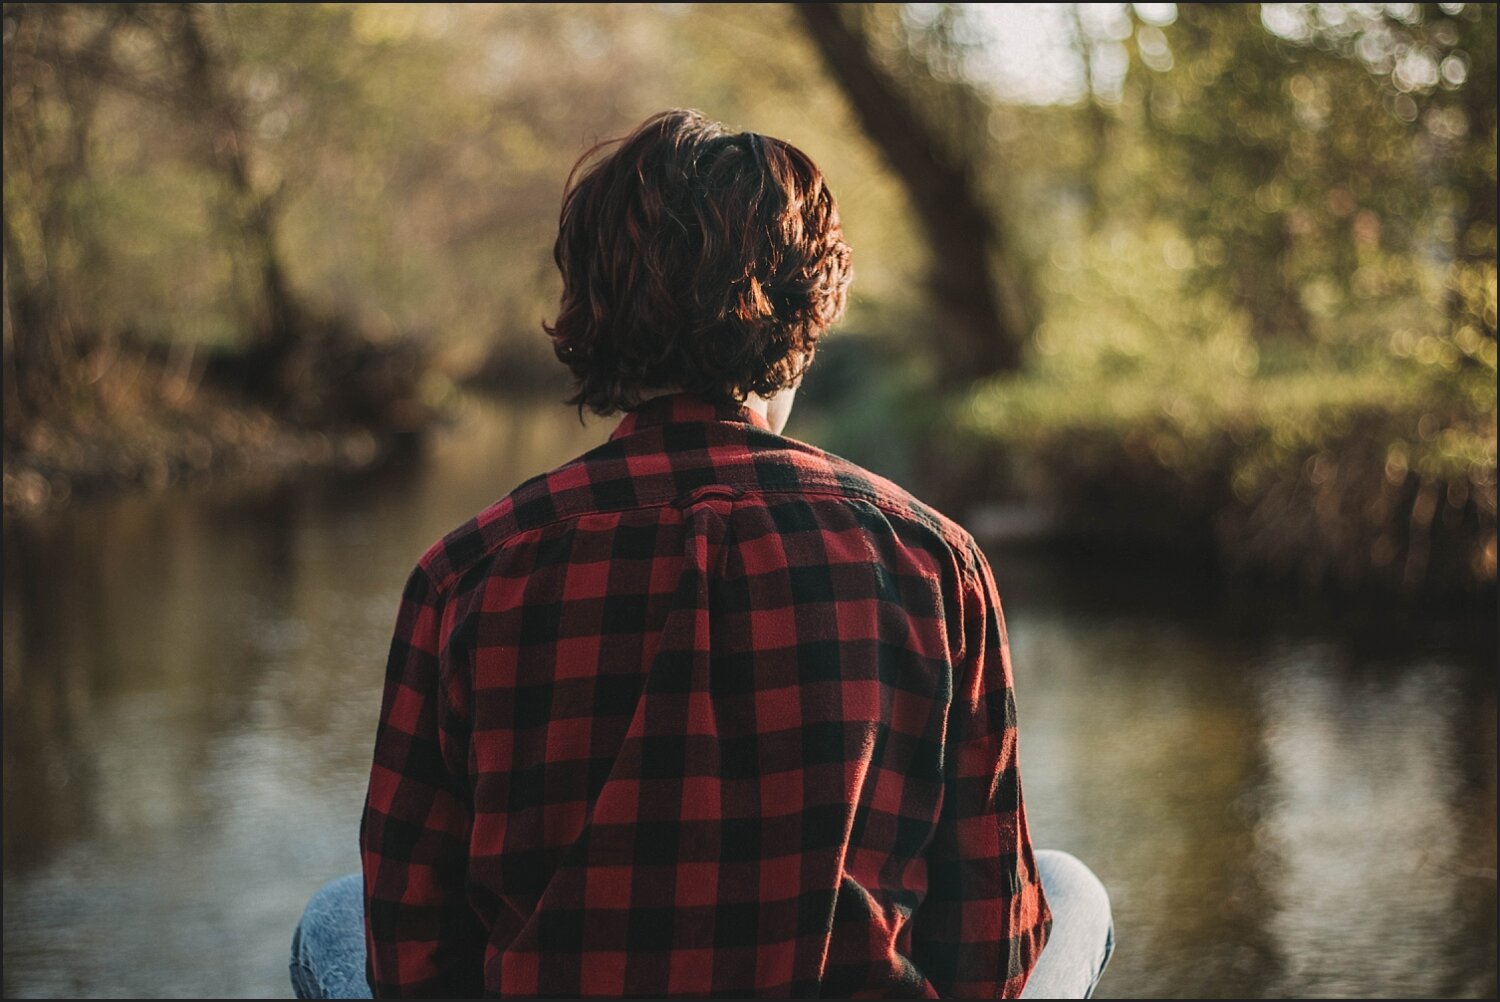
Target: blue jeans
{"x":1083,"y":930}
{"x":328,"y":948}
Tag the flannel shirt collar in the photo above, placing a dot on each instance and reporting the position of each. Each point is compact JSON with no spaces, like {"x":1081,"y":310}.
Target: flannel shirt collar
{"x":678,"y":408}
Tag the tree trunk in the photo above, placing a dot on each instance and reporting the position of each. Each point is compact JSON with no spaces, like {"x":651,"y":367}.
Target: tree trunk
{"x":1476,"y":178}
{"x":1098,"y":128}
{"x":253,"y":215}
{"x":981,"y":298}
{"x":30,"y":364}
{"x":38,"y":340}
{"x":1261,"y":285}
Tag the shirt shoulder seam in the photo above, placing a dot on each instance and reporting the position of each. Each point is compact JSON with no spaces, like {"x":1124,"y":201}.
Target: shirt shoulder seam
{"x":959,"y":542}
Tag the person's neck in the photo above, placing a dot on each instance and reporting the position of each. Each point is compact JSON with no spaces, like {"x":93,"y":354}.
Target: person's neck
{"x":753,"y":401}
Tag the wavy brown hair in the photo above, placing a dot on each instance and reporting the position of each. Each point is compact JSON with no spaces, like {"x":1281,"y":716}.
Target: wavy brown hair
{"x":695,"y":258}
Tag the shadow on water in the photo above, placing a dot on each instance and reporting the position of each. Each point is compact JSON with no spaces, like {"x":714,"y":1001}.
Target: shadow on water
{"x":1283,"y":800}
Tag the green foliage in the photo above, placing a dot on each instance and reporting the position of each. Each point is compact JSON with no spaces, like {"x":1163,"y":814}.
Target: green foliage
{"x":1263,"y":259}
{"x":1268,"y":309}
{"x":413,"y":154}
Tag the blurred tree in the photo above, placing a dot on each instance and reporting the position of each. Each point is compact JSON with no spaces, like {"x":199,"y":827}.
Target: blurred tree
{"x":977,"y":287}
{"x":1100,"y":124}
{"x":252,"y":213}
{"x":1225,"y":119}
{"x":1281,"y":331}
{"x":1311,"y":151}
{"x":1477,"y":165}
{"x":48,"y":121}
{"x":61,"y":60}
{"x":1457,"y":116}
{"x":382,"y":168}
{"x":1174,"y":209}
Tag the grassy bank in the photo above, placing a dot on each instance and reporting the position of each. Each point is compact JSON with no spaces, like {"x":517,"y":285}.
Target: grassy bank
{"x":1362,"y":462}
{"x":1343,"y":470}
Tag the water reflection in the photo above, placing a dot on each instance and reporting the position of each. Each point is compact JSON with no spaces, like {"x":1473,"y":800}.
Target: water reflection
{"x":1140,"y":754}
{"x":1372,"y":827}
{"x":191,"y":683}
{"x":1283,"y":803}
{"x":191,"y":687}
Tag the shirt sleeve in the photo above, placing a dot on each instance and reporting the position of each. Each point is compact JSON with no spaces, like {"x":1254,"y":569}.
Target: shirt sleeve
{"x":423,"y":938}
{"x":982,"y":926}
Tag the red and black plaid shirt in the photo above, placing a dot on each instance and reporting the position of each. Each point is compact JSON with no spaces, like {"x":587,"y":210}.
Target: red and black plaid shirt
{"x":705,"y":711}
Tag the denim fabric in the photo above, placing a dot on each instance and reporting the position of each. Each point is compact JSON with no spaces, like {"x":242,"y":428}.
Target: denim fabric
{"x":328,"y":948}
{"x":1083,"y":930}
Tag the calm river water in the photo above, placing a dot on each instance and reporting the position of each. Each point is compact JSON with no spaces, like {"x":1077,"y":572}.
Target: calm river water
{"x":1283,"y":801}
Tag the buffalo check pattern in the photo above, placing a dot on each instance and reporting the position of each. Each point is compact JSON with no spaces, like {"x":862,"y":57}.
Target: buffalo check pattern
{"x":704,"y":712}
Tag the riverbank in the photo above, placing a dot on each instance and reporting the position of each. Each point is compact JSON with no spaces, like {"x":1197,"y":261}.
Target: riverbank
{"x":1326,"y":470}
{"x":1347,"y":479}
{"x":128,"y":419}
{"x":1343,"y":477}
